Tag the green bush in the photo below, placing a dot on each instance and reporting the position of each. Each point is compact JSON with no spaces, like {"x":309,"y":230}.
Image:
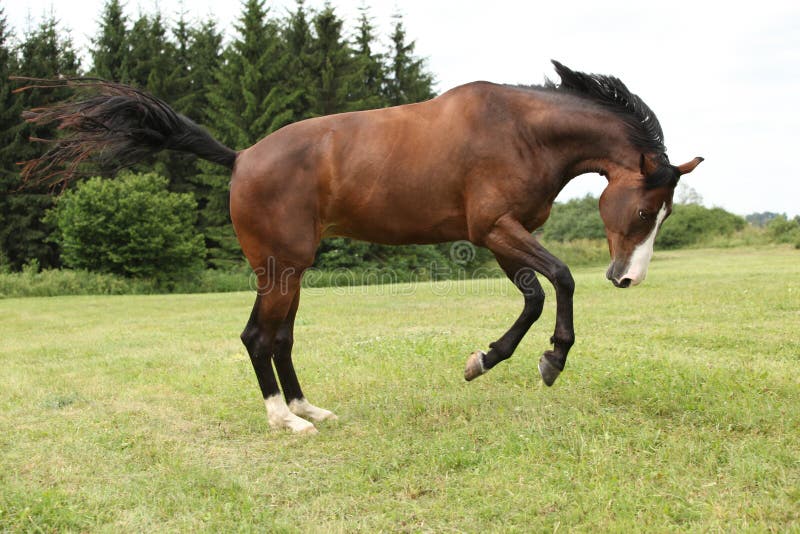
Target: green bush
{"x":749,"y":236}
{"x":690,"y":224}
{"x":578,"y":218}
{"x":131,"y":226}
{"x":580,"y":252}
{"x":781,"y":229}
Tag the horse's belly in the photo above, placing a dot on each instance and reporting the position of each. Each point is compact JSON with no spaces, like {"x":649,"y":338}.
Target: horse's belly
{"x":397,"y":226}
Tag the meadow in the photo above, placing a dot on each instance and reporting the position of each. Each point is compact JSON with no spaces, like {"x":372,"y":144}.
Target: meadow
{"x":679,"y":409}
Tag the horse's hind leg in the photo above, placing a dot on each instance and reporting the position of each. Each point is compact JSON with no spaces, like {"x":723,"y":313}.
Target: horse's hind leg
{"x":292,"y":392}
{"x":273,"y":210}
{"x":260,"y":336}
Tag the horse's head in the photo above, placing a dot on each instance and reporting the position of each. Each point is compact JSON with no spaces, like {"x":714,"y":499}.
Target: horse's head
{"x":633,"y":207}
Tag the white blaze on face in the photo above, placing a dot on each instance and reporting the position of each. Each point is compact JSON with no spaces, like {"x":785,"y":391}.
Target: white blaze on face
{"x":643,"y":253}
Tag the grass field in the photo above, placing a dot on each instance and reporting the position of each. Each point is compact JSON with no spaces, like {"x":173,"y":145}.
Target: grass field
{"x":679,"y":409}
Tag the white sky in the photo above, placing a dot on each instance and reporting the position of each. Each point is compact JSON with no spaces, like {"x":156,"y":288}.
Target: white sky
{"x":723,"y":78}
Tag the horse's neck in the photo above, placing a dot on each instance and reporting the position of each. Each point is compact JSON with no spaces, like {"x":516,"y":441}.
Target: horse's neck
{"x":577,"y":139}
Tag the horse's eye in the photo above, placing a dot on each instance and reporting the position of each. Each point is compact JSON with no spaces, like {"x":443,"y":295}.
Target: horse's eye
{"x":643,"y":215}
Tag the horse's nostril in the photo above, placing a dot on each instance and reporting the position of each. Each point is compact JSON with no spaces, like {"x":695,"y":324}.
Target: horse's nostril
{"x":625,"y":282}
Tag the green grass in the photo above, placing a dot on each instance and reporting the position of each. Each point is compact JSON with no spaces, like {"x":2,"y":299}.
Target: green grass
{"x":679,"y":409}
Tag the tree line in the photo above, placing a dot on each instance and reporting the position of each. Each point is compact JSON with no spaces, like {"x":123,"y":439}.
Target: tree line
{"x":274,"y":70}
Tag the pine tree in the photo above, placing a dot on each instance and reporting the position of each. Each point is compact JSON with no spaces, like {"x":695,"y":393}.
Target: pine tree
{"x":149,"y":59}
{"x":24,"y":236}
{"x":110,"y":47}
{"x":298,"y":39}
{"x":205,"y":181}
{"x":248,"y":101}
{"x":180,"y":76}
{"x":370,"y":73}
{"x":150,"y":65}
{"x":332,"y":65}
{"x":177,"y":88}
{"x":408,"y":80}
{"x":11,"y":139}
{"x":205,"y":58}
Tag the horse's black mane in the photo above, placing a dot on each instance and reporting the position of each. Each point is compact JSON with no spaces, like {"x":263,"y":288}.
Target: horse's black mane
{"x":644,"y":130}
{"x":609,"y":92}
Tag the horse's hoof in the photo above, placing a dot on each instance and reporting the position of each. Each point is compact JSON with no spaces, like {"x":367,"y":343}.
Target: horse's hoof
{"x":307,"y":430}
{"x":280,"y":417}
{"x":548,"y":371}
{"x":475,"y":366}
{"x":297,"y":425}
{"x":303,"y":408}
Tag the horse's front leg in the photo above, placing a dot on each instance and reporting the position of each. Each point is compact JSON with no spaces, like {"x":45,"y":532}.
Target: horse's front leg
{"x":511,"y":241}
{"x":525,"y":280}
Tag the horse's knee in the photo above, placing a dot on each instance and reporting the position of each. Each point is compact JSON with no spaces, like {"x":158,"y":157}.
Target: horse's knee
{"x":282,"y":345}
{"x":254,"y":341}
{"x":249,"y":336}
{"x":563,"y":280}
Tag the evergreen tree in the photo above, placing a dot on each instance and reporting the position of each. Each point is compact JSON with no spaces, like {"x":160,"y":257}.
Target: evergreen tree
{"x":272,"y":73}
{"x":180,"y":77}
{"x":205,"y":58}
{"x":207,"y":183}
{"x":11,"y":139}
{"x":370,"y":75}
{"x":110,"y":47}
{"x":408,"y":80}
{"x":299,"y":41}
{"x":249,"y":100}
{"x":332,"y":64}
{"x":177,"y":88}
{"x":197,"y":60}
{"x":149,"y":60}
{"x":212,"y":189}
{"x":23,"y":236}
{"x":151,"y":65}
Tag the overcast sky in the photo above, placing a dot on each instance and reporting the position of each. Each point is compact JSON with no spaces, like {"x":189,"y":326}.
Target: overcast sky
{"x":723,"y":79}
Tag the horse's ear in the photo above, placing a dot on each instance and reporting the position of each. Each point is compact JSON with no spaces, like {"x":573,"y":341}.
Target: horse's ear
{"x":688,"y":167}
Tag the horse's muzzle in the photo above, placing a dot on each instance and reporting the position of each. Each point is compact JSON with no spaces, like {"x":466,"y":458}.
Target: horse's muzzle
{"x":613,"y":274}
{"x":625,"y":282}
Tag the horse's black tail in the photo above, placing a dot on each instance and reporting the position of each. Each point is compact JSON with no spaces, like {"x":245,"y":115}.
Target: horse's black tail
{"x":117,"y":126}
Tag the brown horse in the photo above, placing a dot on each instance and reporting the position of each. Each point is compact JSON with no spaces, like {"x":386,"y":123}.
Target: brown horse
{"x":482,"y":162}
